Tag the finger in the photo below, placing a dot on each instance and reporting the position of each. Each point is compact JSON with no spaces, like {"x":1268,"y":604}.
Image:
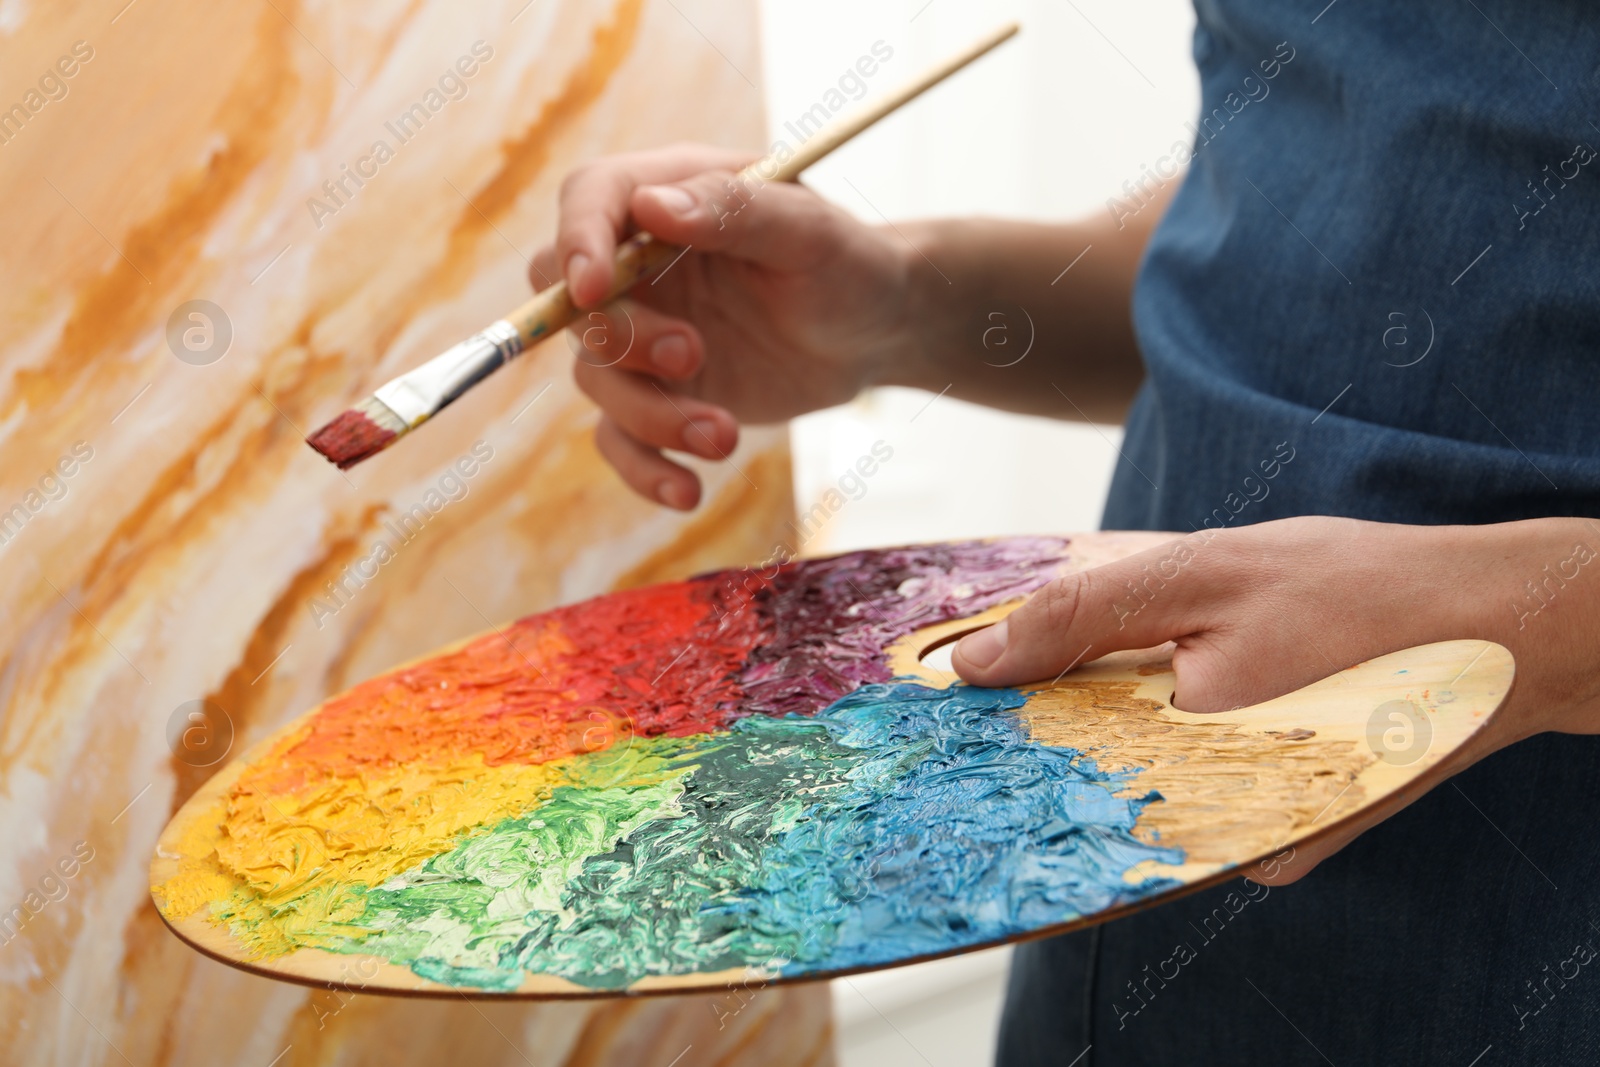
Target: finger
{"x":646,"y":470}
{"x":1293,"y":864}
{"x":594,"y":206}
{"x":772,"y":223}
{"x":543,"y":269}
{"x":1084,"y":615}
{"x":631,"y":336}
{"x":654,"y":417}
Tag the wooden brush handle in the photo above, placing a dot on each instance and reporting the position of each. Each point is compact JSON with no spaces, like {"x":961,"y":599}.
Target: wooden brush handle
{"x":637,"y":258}
{"x":641,"y":255}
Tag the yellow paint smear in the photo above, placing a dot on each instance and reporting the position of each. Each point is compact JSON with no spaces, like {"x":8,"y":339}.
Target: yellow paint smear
{"x":253,"y":854}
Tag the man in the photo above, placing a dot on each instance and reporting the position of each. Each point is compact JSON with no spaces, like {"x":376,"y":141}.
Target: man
{"x":1361,"y":363}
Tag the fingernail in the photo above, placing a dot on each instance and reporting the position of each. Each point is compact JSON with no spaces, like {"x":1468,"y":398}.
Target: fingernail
{"x":676,"y":200}
{"x":701,"y":436}
{"x":576,"y":264}
{"x":984,"y":647}
{"x":670,"y":493}
{"x":670,"y":354}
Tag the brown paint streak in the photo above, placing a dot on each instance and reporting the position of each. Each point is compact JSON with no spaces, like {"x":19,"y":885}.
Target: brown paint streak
{"x":237,"y":695}
{"x":336,"y":676}
{"x":785,"y":1015}
{"x":528,"y":153}
{"x":154,"y":524}
{"x":115,"y":308}
{"x":310,"y":1031}
{"x":398,"y":26}
{"x":753,"y":1034}
{"x":524,"y":157}
{"x":158,"y":966}
{"x":75,"y":647}
{"x":822,"y":1051}
{"x":143,"y":528}
{"x":595,"y":1044}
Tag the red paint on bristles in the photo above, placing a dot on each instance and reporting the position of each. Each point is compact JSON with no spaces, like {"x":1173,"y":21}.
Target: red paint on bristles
{"x":350,"y":438}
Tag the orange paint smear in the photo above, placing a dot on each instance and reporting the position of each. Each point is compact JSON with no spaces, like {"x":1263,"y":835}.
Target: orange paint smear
{"x":647,"y":661}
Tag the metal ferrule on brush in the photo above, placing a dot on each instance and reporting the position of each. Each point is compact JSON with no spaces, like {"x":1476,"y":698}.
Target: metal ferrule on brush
{"x":430,"y":388}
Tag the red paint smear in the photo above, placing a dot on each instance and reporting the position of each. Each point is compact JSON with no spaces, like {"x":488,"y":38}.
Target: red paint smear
{"x":677,"y":659}
{"x":649,"y":661}
{"x":350,"y":438}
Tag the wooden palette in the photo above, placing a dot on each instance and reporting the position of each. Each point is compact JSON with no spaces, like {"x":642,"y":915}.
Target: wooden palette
{"x":894,"y":817}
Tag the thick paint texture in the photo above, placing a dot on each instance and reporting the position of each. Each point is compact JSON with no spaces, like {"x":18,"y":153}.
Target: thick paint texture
{"x":718,"y":773}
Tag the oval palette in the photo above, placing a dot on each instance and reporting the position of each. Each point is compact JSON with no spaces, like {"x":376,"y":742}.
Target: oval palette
{"x":751,"y":776}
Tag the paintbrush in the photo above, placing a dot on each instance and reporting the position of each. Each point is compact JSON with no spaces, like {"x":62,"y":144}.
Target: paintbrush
{"x":408,"y":401}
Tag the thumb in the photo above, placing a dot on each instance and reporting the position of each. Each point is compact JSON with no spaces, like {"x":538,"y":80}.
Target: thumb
{"x":1082,"y":616}
{"x":775,"y":224}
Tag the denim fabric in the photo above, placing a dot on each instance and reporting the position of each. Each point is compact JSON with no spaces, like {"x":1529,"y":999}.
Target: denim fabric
{"x":1377,"y":294}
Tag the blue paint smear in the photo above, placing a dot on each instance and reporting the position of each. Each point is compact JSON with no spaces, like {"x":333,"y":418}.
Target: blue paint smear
{"x":956,"y":830}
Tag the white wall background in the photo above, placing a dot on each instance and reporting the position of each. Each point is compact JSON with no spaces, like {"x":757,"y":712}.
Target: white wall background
{"x":1046,"y":127}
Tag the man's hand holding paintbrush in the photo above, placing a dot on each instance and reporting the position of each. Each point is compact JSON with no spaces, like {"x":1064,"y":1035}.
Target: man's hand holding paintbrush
{"x":784,"y":304}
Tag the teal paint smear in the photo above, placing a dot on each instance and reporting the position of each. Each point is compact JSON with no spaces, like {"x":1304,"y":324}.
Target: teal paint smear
{"x":457,"y":917}
{"x":972,"y":833}
{"x":899,"y":821}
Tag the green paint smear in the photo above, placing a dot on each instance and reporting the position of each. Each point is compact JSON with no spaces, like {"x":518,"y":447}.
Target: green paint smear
{"x":457,"y":917}
{"x":645,"y":856}
{"x":901,"y":821}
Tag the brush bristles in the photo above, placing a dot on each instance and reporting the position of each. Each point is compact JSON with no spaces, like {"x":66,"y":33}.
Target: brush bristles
{"x":364,"y":430}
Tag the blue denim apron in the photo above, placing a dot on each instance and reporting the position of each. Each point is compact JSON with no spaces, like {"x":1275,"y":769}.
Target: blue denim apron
{"x":1385,"y":259}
